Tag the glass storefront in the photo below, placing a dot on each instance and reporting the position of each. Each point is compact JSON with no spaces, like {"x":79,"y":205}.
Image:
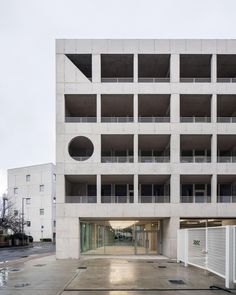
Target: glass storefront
{"x":120,"y":237}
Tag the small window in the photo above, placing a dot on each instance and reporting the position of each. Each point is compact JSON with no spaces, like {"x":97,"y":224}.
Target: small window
{"x":28,"y":223}
{"x":15,"y":190}
{"x":54,"y":223}
{"x":27,"y":201}
{"x":41,"y":211}
{"x":41,"y":187}
{"x":15,"y":212}
{"x":54,"y":200}
{"x":28,"y":177}
{"x":54,"y":176}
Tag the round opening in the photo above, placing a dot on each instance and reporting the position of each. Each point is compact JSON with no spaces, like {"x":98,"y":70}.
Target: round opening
{"x":81,"y":148}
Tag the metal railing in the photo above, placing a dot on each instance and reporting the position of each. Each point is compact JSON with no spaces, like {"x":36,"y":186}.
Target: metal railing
{"x":152,"y":159}
{"x":226,"y":119}
{"x":195,"y":159}
{"x":154,"y":199}
{"x":230,"y":159}
{"x":81,"y":199}
{"x":117,"y":119}
{"x":195,"y":199}
{"x":116,"y":159}
{"x":81,"y":158}
{"x":80,"y":119}
{"x":154,"y":80}
{"x":154,"y":119}
{"x":117,"y":199}
{"x":226,"y":199}
{"x":195,"y":80}
{"x":118,"y":80}
{"x":195,"y":119}
{"x":226,"y":80}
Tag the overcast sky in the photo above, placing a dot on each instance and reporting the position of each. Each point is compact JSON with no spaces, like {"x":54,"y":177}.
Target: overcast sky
{"x":28,"y":29}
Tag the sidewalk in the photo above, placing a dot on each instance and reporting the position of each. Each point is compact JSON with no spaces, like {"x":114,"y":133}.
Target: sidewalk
{"x":98,"y":276}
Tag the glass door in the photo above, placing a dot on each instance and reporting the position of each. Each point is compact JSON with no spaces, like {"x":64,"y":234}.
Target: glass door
{"x":146,"y":242}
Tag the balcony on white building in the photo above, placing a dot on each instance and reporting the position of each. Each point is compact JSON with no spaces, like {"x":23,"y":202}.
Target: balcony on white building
{"x":116,"y":108}
{"x":195,"y":108}
{"x":195,"y":188}
{"x":226,"y":68}
{"x":226,"y":188}
{"x":226,"y":108}
{"x":154,"y":148}
{"x":154,"y":68}
{"x":80,"y":108}
{"x":226,"y":148}
{"x":195,"y":68}
{"x":195,"y":148}
{"x":117,"y":189}
{"x":80,"y":189}
{"x":154,"y":188}
{"x":117,"y":149}
{"x":117,"y":68}
{"x":154,"y":108}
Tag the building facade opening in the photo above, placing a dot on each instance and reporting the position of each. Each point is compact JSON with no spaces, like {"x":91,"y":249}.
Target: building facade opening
{"x":120,"y":237}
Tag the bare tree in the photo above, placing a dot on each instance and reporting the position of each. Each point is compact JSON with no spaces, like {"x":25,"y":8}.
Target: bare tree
{"x":8,"y":218}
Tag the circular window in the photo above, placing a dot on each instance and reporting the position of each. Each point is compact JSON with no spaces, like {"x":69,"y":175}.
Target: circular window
{"x":81,"y":148}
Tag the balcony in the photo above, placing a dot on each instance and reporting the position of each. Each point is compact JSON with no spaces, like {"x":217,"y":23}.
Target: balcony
{"x":154,"y":189}
{"x":195,"y":108}
{"x":80,"y":148}
{"x":117,"y":68}
{"x":154,"y":68}
{"x":117,"y":108}
{"x":80,"y":108}
{"x":154,"y":148}
{"x":226,"y":108}
{"x":117,"y":149}
{"x":195,"y":188}
{"x":195,"y":68}
{"x":117,"y":189}
{"x":195,"y":148}
{"x":226,"y":188}
{"x":83,"y":62}
{"x":226,"y":148}
{"x":154,"y":108}
{"x":226,"y":68}
{"x":80,"y":189}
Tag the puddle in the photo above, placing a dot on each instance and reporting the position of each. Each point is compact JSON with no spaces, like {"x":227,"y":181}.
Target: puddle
{"x":3,"y":277}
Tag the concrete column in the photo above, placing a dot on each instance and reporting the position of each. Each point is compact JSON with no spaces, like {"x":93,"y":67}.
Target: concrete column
{"x":175,"y":108}
{"x":174,"y":68}
{"x":98,"y":108}
{"x":214,"y":188}
{"x":135,"y":108}
{"x":214,"y":68}
{"x":135,"y":68}
{"x":98,"y":188}
{"x":135,"y":188}
{"x":175,"y":148}
{"x":169,"y":242}
{"x":175,"y":188}
{"x":214,"y":108}
{"x":96,"y":68}
{"x":214,"y":148}
{"x":135,"y":148}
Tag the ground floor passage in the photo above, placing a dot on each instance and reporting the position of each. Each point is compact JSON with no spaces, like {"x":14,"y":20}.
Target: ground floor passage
{"x":120,"y":237}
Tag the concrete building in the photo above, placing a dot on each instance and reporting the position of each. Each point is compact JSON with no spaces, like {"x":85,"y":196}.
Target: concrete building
{"x":146,"y":143}
{"x":32,"y":191}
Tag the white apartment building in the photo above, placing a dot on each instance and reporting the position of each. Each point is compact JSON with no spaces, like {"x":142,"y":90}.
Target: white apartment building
{"x":146,"y":143}
{"x":32,"y":191}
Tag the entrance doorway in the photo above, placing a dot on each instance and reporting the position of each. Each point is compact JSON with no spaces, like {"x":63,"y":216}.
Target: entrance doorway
{"x":120,"y":237}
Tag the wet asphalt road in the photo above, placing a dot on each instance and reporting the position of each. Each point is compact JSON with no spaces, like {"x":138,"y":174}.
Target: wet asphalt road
{"x":8,"y":254}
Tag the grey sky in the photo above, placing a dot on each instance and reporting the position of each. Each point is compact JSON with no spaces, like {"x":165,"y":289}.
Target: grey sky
{"x":28,"y":29}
